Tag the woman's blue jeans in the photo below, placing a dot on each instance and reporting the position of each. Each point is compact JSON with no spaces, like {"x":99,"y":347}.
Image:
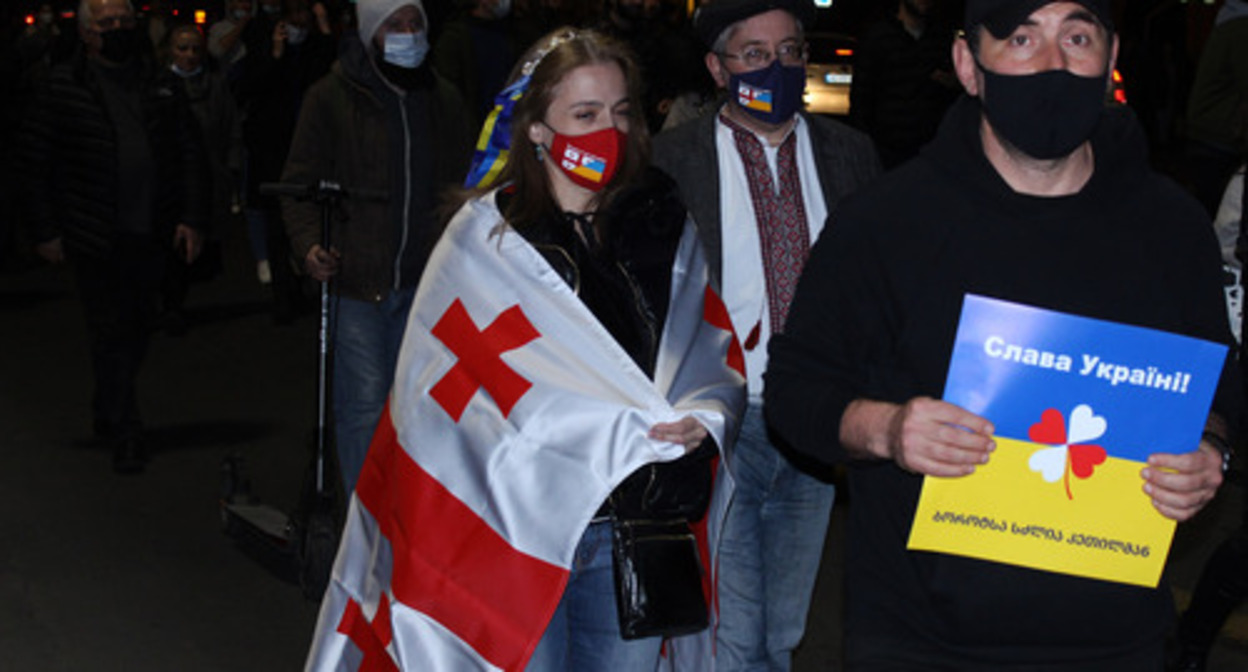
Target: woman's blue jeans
{"x":584,"y":635}
{"x":367,"y":337}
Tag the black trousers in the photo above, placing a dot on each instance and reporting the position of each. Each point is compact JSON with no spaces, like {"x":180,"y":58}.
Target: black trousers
{"x":1223,"y":583}
{"x":907,"y":656}
{"x":1222,"y":587}
{"x":119,"y":293}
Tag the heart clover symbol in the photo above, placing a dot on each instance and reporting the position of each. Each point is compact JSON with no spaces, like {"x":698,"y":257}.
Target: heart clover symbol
{"x":1070,"y":451}
{"x":1050,"y":462}
{"x":1084,"y":426}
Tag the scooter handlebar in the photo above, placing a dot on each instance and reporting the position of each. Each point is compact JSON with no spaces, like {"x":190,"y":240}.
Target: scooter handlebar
{"x":324,"y":189}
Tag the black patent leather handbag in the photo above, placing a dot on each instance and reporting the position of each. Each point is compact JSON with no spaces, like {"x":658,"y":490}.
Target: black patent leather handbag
{"x":658,"y":579}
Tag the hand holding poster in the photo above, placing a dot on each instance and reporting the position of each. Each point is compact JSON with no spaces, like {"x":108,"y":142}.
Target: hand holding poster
{"x":1078,"y":404}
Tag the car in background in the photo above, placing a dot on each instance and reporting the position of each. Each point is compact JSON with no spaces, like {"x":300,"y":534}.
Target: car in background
{"x":829,"y":73}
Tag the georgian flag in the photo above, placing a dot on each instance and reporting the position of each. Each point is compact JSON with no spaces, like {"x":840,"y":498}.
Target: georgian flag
{"x":753,"y":97}
{"x":513,"y":416}
{"x":586,"y":164}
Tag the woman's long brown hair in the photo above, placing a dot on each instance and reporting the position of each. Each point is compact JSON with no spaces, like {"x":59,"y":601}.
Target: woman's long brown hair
{"x":573,"y":48}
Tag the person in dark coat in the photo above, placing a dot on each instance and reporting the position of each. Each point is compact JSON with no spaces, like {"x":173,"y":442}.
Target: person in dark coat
{"x":285,"y":55}
{"x":220,"y":125}
{"x":475,"y":52}
{"x":903,"y":80}
{"x":382,"y":121}
{"x":115,"y":175}
{"x":1012,"y":200}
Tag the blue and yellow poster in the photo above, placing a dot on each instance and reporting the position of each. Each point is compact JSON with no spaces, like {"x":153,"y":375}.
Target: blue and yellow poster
{"x":1078,"y":405}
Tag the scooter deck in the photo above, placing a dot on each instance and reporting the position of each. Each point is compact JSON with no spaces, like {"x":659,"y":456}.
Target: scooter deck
{"x":270,"y":523}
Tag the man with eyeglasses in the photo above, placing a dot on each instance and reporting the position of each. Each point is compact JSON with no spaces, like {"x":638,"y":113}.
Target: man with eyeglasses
{"x":1033,"y":191}
{"x":760,"y":178}
{"x":115,"y":175}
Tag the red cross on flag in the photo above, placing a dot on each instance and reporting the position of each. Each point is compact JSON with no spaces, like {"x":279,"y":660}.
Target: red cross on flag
{"x":480,"y":362}
{"x":513,"y":415}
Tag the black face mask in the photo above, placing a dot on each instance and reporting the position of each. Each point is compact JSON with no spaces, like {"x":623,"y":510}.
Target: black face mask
{"x":120,"y":44}
{"x":1047,"y":114}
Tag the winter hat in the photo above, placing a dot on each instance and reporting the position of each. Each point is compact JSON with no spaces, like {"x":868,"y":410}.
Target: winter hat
{"x":716,"y":16}
{"x":370,"y":14}
{"x":1001,"y":17}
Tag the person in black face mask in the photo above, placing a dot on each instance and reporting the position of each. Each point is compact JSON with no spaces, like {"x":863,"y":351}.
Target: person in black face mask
{"x":381,"y":120}
{"x":115,"y":177}
{"x":118,"y":39}
{"x":1034,"y":191}
{"x":1041,"y":94}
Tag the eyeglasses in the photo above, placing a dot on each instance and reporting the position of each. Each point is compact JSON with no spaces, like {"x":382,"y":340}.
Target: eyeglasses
{"x":789,"y":53}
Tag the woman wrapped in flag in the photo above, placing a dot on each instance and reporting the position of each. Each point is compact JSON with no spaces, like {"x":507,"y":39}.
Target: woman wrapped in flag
{"x":544,"y":488}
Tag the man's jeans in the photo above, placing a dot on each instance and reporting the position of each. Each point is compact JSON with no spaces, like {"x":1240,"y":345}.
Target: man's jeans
{"x":584,"y":634}
{"x":769,"y":555}
{"x":366,"y":349}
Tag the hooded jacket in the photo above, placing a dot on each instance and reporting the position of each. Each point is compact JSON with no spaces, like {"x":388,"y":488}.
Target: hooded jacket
{"x":359,"y":130}
{"x":875,"y":317}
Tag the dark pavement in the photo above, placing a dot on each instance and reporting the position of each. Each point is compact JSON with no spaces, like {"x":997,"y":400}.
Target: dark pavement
{"x":106,"y":572}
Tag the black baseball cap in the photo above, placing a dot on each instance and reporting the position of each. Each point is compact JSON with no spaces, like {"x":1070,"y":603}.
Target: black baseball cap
{"x":1001,"y":17}
{"x":714,"y":17}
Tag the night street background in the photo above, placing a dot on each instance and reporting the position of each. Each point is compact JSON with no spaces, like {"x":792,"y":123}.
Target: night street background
{"x":106,"y":572}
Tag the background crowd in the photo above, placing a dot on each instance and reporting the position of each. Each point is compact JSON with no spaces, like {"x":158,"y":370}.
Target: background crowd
{"x":475,"y":43}
{"x":280,"y":90}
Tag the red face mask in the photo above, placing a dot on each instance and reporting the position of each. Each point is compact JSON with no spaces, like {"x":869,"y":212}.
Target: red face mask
{"x":589,"y":160}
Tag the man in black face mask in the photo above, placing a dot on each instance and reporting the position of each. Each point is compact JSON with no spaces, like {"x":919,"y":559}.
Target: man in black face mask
{"x":1034,"y":192}
{"x":115,"y":176}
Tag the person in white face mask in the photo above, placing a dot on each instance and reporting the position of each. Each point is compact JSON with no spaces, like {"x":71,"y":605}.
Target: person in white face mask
{"x":296,"y":22}
{"x":286,"y":53}
{"x":225,"y":37}
{"x":382,"y":121}
{"x":220,"y":124}
{"x":213,"y":105}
